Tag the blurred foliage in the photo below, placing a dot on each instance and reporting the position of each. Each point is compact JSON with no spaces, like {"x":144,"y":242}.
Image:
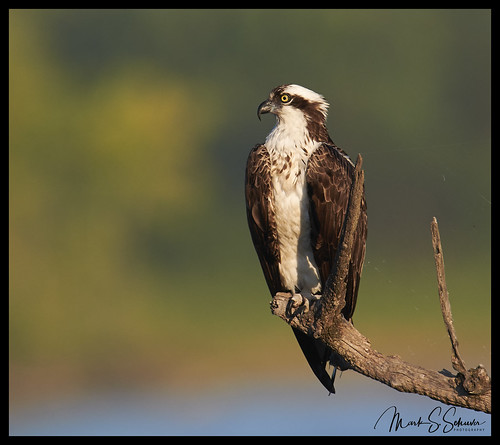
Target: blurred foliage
{"x":129,"y":130}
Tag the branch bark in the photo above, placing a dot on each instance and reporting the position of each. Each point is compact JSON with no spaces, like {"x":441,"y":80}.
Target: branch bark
{"x":468,"y":388}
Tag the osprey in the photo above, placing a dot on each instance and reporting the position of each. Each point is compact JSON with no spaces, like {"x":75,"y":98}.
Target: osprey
{"x":297,"y":188}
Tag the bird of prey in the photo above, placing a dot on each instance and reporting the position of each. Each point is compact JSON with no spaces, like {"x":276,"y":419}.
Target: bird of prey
{"x":297,"y":188}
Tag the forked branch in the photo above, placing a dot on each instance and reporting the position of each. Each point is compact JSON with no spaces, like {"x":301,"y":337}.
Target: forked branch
{"x":468,"y":388}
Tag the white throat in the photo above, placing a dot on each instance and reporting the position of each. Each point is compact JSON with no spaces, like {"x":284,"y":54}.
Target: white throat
{"x":290,"y":132}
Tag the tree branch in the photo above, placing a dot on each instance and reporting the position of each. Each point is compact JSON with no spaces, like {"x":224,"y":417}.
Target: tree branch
{"x":469,"y":389}
{"x":474,"y":381}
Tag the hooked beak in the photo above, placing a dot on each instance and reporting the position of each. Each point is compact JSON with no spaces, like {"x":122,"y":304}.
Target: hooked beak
{"x":265,"y":107}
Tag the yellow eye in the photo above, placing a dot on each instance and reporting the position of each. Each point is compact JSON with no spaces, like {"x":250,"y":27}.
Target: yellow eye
{"x":285,"y":98}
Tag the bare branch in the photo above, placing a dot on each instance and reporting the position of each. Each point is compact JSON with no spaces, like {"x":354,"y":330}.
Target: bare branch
{"x":474,"y":381}
{"x":391,"y":370}
{"x":444,"y":299}
{"x":469,"y":389}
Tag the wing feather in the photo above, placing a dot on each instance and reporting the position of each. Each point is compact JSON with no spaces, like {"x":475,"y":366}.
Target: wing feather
{"x":329,"y":178}
{"x":260,"y":215}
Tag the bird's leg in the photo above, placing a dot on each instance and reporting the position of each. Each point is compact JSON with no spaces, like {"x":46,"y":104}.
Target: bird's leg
{"x":297,"y":301}
{"x":300,"y":303}
{"x":297,"y":304}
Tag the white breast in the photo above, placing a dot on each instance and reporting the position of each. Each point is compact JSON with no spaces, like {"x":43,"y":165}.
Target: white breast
{"x":289,"y":156}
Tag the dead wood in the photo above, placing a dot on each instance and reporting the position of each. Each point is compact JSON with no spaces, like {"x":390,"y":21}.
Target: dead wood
{"x":468,"y":388}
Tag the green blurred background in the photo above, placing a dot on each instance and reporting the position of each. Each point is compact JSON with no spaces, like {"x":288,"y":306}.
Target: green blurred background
{"x":131,"y":264}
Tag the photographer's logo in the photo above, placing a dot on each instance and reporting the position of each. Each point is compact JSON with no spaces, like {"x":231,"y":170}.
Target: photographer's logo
{"x":438,"y":420}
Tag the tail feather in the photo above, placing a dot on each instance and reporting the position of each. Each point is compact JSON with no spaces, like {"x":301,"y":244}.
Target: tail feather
{"x":317,"y":355}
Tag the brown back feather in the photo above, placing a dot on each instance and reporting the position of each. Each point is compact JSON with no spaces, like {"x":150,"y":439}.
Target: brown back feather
{"x":329,"y":178}
{"x":260,"y":215}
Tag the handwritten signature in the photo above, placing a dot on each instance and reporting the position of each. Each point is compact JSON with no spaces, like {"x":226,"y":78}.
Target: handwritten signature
{"x":437,"y":420}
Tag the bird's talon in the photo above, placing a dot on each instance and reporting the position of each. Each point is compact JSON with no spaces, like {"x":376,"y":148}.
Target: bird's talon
{"x":297,"y":305}
{"x":296,"y":301}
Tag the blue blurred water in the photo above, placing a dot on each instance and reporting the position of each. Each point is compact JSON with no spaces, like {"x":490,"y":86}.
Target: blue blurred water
{"x":255,"y":408}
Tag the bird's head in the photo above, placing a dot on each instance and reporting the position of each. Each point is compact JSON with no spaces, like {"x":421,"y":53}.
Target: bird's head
{"x":297,"y":106}
{"x":289,"y":99}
